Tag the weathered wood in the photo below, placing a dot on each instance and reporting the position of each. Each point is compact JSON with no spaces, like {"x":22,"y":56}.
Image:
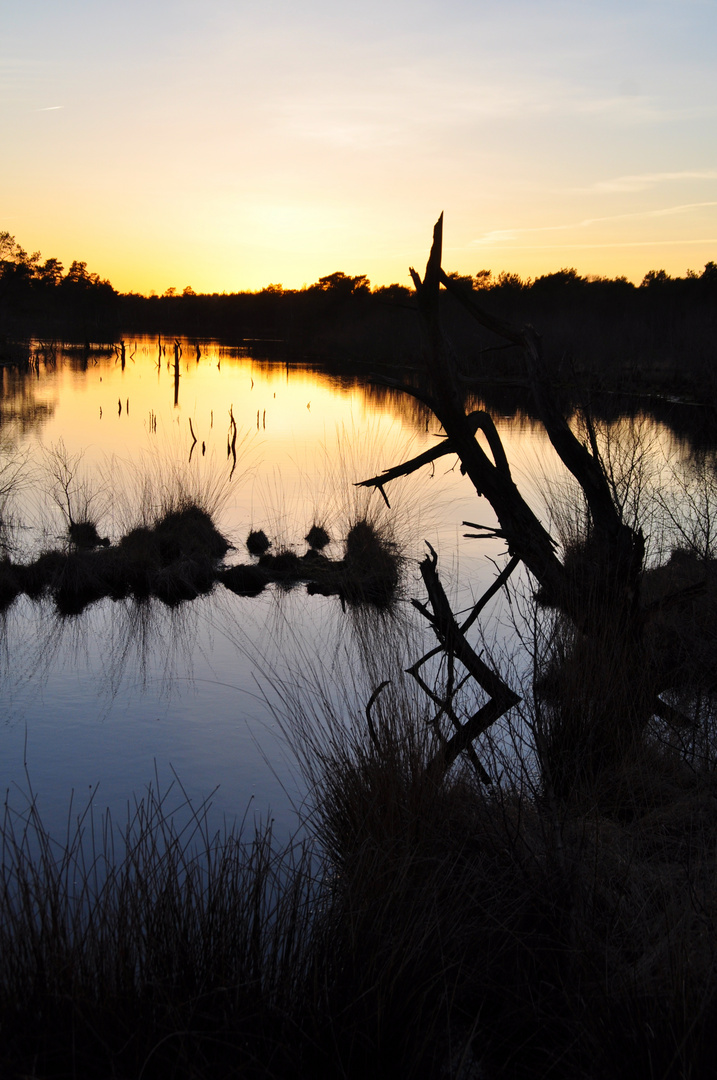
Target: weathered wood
{"x":602,"y":601}
{"x":626,"y":544}
{"x":445,"y":706}
{"x":491,"y":591}
{"x":477,"y":420}
{"x":525,"y":534}
{"x":488,"y":595}
{"x":453,"y":640}
{"x":454,"y":643}
{"x":410,"y":466}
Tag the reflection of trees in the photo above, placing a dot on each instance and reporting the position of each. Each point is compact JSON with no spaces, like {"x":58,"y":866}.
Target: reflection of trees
{"x":19,"y":404}
{"x":27,"y":650}
{"x":20,"y":412}
{"x":693,"y":424}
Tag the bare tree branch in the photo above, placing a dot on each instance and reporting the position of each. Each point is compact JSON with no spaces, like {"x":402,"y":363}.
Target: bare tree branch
{"x":475,"y":419}
{"x":453,"y":642}
{"x":586,"y":467}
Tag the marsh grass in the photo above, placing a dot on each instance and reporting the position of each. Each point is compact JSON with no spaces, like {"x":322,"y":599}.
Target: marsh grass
{"x":174,"y":550}
{"x":175,"y":560}
{"x":417,"y":930}
{"x":164,"y":482}
{"x":170,"y":547}
{"x":369,"y":572}
{"x":153,"y":949}
{"x":338,"y":502}
{"x":687,"y":505}
{"x":80,"y":500}
{"x":522,"y":935}
{"x":14,"y":475}
{"x":560,"y":923}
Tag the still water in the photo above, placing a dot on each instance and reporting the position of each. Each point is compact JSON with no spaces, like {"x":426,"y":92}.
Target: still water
{"x":100,"y":703}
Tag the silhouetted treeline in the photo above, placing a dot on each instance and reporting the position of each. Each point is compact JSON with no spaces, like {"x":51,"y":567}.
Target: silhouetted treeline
{"x":40,"y":298}
{"x":602,"y":331}
{"x":301,"y":317}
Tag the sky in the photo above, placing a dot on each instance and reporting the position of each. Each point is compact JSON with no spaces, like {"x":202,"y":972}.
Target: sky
{"x":230,"y":144}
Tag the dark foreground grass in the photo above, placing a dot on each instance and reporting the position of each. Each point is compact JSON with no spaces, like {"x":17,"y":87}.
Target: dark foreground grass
{"x":420,"y":931}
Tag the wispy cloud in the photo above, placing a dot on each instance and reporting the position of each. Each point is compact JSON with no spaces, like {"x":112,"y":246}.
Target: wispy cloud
{"x":643,"y":181}
{"x":404,"y":102}
{"x":666,"y":211}
{"x":619,"y":244}
{"x":499,"y":236}
{"x":51,"y":108}
{"x":636,"y":110}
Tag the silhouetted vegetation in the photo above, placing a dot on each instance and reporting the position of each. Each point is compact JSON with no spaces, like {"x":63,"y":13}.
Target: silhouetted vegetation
{"x":257,"y":542}
{"x":510,"y":876}
{"x":317,"y":537}
{"x":602,"y":332}
{"x":420,"y":930}
{"x":178,"y":558}
{"x":41,"y":298}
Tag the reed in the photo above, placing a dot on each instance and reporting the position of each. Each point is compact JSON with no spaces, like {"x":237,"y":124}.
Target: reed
{"x":153,"y":949}
{"x":416,"y":930}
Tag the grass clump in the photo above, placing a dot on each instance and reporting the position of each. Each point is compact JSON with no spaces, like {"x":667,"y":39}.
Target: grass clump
{"x":257,"y":542}
{"x":368,"y":573}
{"x":10,"y":583}
{"x":284,"y":566}
{"x":84,"y":534}
{"x":372,"y":564}
{"x":244,"y":580}
{"x":317,"y":537}
{"x":175,"y":559}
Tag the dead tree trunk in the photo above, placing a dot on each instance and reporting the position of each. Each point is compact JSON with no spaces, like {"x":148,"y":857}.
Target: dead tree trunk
{"x":453,"y":642}
{"x":610,"y":613}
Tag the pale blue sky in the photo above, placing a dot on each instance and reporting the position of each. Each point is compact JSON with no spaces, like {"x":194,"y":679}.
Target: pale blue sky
{"x":227,"y":145}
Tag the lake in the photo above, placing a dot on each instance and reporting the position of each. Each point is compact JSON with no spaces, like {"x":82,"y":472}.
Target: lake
{"x":99,"y":704}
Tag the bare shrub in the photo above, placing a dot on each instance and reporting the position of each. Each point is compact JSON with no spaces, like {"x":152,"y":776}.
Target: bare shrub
{"x":81,"y":501}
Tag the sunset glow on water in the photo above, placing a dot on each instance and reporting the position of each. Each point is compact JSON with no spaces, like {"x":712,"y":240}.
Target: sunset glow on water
{"x":102,"y":697}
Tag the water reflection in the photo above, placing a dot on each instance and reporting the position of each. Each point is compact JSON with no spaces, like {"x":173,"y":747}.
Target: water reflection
{"x":137,"y":642}
{"x":194,"y":358}
{"x":292,"y":434}
{"x":104,"y":694}
{"x":22,"y":407}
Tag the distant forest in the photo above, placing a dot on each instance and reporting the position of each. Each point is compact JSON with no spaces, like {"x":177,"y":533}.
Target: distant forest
{"x":604,"y":330}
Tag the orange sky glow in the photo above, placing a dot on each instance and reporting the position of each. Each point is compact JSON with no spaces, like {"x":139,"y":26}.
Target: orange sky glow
{"x":227,"y":146}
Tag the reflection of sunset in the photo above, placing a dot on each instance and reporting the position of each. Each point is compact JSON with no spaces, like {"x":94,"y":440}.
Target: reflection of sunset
{"x":277,"y":405}
{"x":305,"y":436}
{"x":23,"y":403}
